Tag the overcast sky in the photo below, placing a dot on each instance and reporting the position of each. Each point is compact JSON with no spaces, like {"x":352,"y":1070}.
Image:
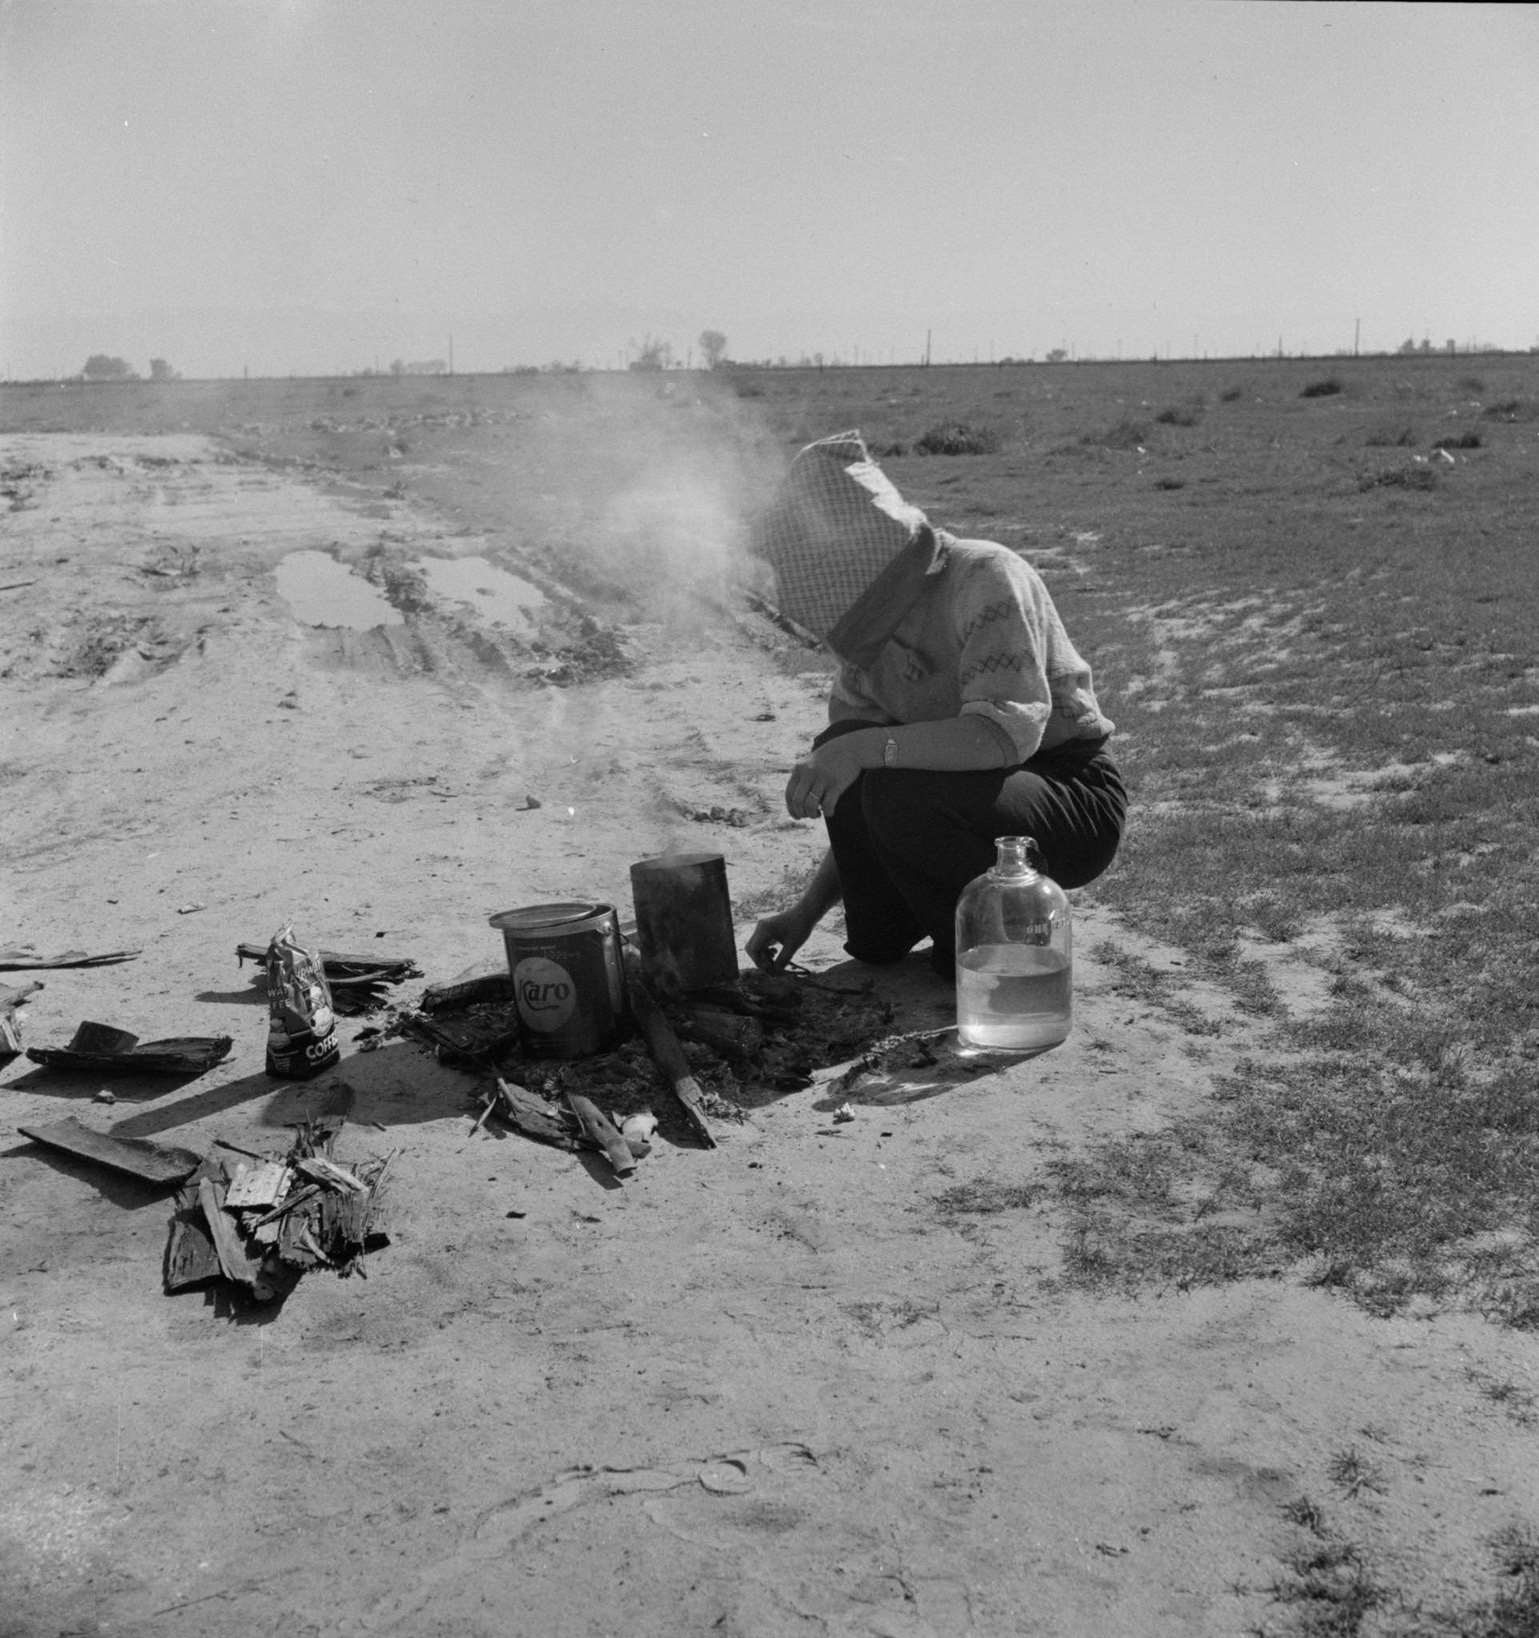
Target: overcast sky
{"x":318,"y":186}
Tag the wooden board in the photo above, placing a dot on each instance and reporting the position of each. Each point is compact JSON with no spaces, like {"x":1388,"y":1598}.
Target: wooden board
{"x":176,"y":1055}
{"x":264,"y":1185}
{"x":137,"y":1156}
{"x":190,"y":1255}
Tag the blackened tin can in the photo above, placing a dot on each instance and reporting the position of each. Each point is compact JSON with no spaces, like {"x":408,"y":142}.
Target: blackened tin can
{"x":568,"y":978}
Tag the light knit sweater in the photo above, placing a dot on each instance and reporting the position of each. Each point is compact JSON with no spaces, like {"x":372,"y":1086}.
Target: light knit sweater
{"x":982,"y":638}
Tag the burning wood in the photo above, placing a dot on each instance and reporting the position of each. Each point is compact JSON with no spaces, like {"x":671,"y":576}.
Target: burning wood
{"x":732,"y":1034}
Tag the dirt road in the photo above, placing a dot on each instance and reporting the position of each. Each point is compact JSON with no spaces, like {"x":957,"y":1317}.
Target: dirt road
{"x":828,"y":1378}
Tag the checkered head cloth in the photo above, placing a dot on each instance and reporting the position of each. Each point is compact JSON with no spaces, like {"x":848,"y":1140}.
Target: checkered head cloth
{"x":836,"y":523}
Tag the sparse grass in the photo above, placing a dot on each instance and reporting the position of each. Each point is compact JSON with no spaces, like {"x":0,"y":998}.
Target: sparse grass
{"x":1514,"y":1610}
{"x":1329,"y":1590}
{"x":1305,"y":1513}
{"x":1328,"y":1594}
{"x":1518,"y":1402}
{"x":1392,"y":437}
{"x":1352,"y":1473}
{"x":985,"y":1197}
{"x":1390,"y":1127}
{"x":1401,"y":477}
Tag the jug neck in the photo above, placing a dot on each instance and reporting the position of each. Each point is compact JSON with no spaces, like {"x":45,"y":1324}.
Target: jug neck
{"x":1013,"y":858}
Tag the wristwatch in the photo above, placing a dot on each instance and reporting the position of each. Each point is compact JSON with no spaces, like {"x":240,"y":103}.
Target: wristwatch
{"x":890,"y":753}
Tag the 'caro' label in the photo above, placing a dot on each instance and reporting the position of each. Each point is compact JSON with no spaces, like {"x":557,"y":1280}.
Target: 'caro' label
{"x":546,"y":993}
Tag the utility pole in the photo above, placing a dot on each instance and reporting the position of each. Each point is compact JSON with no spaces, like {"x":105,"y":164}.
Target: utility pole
{"x":927,"y":348}
{"x":451,"y":352}
{"x":1357,"y":337}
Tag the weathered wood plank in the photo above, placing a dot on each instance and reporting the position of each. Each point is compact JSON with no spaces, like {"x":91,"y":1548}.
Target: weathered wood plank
{"x":137,"y":1156}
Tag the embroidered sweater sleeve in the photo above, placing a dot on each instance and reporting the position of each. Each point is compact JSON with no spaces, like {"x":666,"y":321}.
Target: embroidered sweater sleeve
{"x":1000,"y":632}
{"x":1017,"y":668}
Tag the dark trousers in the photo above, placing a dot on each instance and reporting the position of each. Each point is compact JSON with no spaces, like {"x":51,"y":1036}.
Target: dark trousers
{"x":908,"y":840}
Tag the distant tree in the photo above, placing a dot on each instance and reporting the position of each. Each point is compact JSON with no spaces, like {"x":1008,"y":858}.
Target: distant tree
{"x":1056,"y":356}
{"x":652,"y":354}
{"x":714,"y":345}
{"x":160,"y":370}
{"x":99,"y":367}
{"x":1408,"y":345}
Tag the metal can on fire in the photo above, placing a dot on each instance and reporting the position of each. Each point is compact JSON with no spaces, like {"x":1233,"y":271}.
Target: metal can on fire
{"x":568,"y":977}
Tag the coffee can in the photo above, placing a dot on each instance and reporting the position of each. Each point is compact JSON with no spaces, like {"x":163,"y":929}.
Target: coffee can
{"x":684,"y":921}
{"x":568,"y":978}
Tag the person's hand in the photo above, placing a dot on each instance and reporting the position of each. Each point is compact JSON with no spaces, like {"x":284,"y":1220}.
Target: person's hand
{"x":820,"y":778}
{"x":776,"y":939}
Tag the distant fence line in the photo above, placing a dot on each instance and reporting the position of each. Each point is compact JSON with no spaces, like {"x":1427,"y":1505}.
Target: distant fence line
{"x":755,"y":366}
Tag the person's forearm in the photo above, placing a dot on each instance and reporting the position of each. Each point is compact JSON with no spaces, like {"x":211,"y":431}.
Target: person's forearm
{"x":951,"y":745}
{"x":823,"y":892}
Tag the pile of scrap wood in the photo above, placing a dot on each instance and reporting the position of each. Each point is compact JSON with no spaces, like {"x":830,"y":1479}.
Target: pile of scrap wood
{"x":258,"y":1222}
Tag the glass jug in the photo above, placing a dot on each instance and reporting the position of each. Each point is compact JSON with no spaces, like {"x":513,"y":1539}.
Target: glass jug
{"x":1014,"y":956}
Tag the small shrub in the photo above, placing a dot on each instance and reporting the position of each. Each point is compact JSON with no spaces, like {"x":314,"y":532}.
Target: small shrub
{"x":1510,"y":409}
{"x":1127,"y":434}
{"x":1328,"y":387}
{"x":956,"y":438}
{"x":1180,"y":415}
{"x":1170,"y":483}
{"x":1231,"y":395}
{"x":1461,"y":440}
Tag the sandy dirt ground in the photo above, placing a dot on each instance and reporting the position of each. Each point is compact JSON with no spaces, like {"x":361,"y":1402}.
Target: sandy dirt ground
{"x":826,"y":1378}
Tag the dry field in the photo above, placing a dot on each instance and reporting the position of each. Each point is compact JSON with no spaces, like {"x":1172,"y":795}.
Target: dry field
{"x":1220,"y":1318}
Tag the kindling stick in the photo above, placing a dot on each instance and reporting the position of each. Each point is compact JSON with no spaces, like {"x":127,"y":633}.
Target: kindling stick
{"x":664,"y":1046}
